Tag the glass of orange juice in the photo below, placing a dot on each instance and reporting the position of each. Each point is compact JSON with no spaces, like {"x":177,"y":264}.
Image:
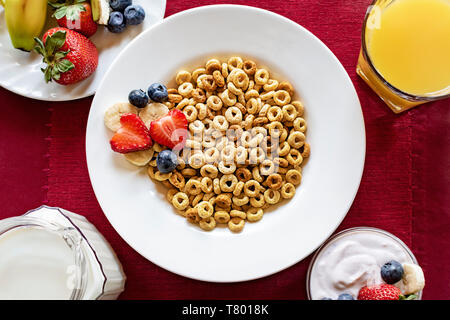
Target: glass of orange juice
{"x":405,"y":53}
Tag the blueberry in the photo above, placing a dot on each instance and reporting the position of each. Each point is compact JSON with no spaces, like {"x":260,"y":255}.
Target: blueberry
{"x":326,"y":298}
{"x":134,"y":15}
{"x":166,"y":161}
{"x":138,"y":98}
{"x":116,"y":22}
{"x":392,"y":272}
{"x":158,"y":92}
{"x":345,"y":296}
{"x":120,"y":5}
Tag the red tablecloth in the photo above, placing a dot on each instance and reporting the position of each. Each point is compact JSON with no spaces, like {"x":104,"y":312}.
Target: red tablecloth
{"x":404,"y":190}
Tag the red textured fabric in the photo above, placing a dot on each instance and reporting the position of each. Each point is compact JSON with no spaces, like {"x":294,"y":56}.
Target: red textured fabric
{"x":404,"y":189}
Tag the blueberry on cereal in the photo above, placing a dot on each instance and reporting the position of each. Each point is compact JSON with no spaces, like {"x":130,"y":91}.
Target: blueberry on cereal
{"x":158,"y":92}
{"x":138,"y":98}
{"x":166,"y":161}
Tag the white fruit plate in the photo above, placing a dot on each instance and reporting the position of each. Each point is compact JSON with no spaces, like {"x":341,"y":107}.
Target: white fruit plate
{"x":136,"y":206}
{"x":20,"y":72}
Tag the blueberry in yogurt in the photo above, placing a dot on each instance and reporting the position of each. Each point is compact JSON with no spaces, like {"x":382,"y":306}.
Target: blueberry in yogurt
{"x":392,"y":272}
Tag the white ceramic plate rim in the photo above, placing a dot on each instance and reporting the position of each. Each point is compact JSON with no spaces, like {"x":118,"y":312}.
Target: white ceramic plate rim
{"x":179,"y":269}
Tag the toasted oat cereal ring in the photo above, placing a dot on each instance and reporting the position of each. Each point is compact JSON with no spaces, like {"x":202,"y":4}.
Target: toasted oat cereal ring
{"x":240,"y":79}
{"x":199,"y":95}
{"x":256,"y":155}
{"x":197,"y":160}
{"x":205,"y":209}
{"x":253,"y":105}
{"x":239,"y":187}
{"x":188,"y":172}
{"x":257,"y":175}
{"x":284,"y":134}
{"x":294,"y":176}
{"x":175,"y":98}
{"x":228,"y":153}
{"x":177,"y":180}
{"x":223,"y":200}
{"x":255,"y":214}
{"x":228,"y":182}
{"x":238,"y":214}
{"x":284,"y":149}
{"x":266,"y":167}
{"x":271,"y":196}
{"x":236,"y":224}
{"x":197,"y":127}
{"x":281,"y":170}
{"x":246,"y":137}
{"x":227,"y":168}
{"x":289,"y":112}
{"x":275,"y":114}
{"x":207,"y":83}
{"x":243,"y":174}
{"x":248,"y":122}
{"x":280,"y":162}
{"x":222,"y":217}
{"x":151,"y":172}
{"x":284,"y":85}
{"x":197,"y":73}
{"x":233,"y":115}
{"x":191,"y":113}
{"x":275,"y":129}
{"x":180,"y":201}
{"x":234,"y":132}
{"x":306,"y":150}
{"x":261,"y":76}
{"x":213,"y":65}
{"x":225,"y":69}
{"x":183,"y":103}
{"x":300,"y":124}
{"x":218,"y":78}
{"x":240,"y":155}
{"x":228,"y":98}
{"x":196,"y":199}
{"x":258,"y":201}
{"x":252,"y":188}
{"x":172,"y":90}
{"x":251,"y":94}
{"x":281,"y":97}
{"x":256,"y":140}
{"x":170,"y":193}
{"x":235,"y":62}
{"x":271,"y":85}
{"x":212,"y":155}
{"x":299,"y":106}
{"x":206,"y":185}
{"x":287,"y":190}
{"x":269,"y":145}
{"x":264,"y":109}
{"x":209,"y":171}
{"x":267,"y":95}
{"x":296,"y":139}
{"x":294,"y":157}
{"x":240,"y":200}
{"x":259,"y":121}
{"x":216,"y":186}
{"x":214,"y":103}
{"x":207,"y":224}
{"x":192,"y":215}
{"x":201,"y":107}
{"x":182,"y":76}
{"x":249,"y":67}
{"x":234,"y":90}
{"x":185,"y":89}
{"x":274,"y":181}
{"x":208,"y":196}
{"x":162,"y":176}
{"x":193,"y":187}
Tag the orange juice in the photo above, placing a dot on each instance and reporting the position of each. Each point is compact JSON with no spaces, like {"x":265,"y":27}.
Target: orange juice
{"x":408,"y":43}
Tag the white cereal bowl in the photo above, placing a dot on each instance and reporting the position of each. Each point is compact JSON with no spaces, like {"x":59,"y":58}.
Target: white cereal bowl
{"x":136,"y":206}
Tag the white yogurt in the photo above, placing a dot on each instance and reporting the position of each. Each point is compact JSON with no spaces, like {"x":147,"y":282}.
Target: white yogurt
{"x":34,"y":264}
{"x":351,"y":261}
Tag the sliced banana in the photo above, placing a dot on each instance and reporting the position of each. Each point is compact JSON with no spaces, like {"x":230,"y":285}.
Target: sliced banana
{"x":140,"y":158}
{"x":153,"y":112}
{"x":113,"y":114}
{"x":413,"y":279}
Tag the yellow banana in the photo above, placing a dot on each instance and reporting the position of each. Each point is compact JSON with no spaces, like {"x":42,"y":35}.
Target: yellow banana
{"x":25,"y":20}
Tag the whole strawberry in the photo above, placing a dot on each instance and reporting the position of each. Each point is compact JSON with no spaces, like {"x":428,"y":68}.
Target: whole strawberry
{"x":75,"y":15}
{"x":70,"y":56}
{"x":380,"y":292}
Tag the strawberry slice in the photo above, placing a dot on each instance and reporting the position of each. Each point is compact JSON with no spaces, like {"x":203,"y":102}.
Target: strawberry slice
{"x":132,"y":136}
{"x":380,"y":292}
{"x":170,"y":130}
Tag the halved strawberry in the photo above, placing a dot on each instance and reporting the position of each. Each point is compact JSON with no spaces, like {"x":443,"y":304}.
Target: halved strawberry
{"x":380,"y":292}
{"x":170,"y":130}
{"x":132,"y":136}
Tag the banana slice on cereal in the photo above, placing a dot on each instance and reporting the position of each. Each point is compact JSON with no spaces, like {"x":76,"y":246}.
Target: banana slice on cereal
{"x":153,"y":112}
{"x":140,"y":158}
{"x":113,"y":114}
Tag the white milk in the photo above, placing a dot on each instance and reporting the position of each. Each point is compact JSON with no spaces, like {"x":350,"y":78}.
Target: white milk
{"x":34,"y":264}
{"x":352,"y":261}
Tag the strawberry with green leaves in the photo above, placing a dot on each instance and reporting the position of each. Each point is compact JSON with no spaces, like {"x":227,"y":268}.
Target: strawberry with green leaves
{"x":70,"y":56}
{"x":75,"y":15}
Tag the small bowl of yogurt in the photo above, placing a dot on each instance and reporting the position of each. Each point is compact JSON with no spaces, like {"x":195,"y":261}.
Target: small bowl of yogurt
{"x":352,"y":259}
